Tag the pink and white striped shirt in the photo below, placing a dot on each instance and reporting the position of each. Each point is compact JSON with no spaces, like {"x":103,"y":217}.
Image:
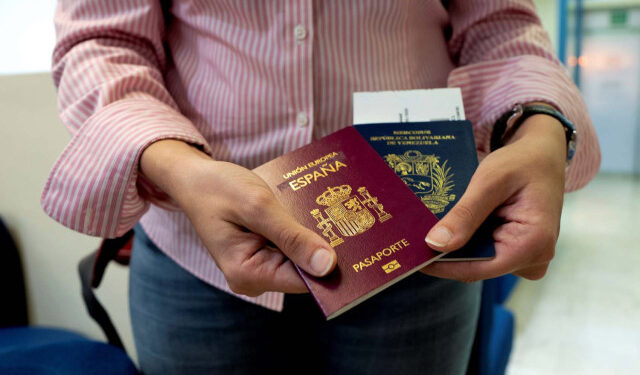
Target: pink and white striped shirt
{"x":250,"y":80}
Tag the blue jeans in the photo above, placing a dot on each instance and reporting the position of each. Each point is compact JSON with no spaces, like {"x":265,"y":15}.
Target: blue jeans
{"x":182,"y":325}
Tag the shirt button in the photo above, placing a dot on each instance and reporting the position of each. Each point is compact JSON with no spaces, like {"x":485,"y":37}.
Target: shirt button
{"x":302,"y":119}
{"x":300,"y":32}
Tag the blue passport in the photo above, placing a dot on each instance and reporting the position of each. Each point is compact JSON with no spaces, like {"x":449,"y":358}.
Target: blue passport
{"x":436,"y":159}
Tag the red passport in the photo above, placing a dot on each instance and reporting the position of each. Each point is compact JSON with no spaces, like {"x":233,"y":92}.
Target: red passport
{"x":343,"y":190}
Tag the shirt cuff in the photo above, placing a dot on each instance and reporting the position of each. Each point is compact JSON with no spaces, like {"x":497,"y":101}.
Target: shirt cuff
{"x":94,"y":186}
{"x":493,"y":88}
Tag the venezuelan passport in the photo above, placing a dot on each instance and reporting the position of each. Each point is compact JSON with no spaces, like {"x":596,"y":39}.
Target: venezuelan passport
{"x":436,"y":159}
{"x":343,"y":190}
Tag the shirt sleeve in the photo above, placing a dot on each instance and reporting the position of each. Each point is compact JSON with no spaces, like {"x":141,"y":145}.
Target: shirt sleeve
{"x":107,"y":66}
{"x":504,"y":57}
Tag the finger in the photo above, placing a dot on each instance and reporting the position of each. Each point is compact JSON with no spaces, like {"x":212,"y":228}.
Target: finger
{"x":481,"y":270}
{"x":466,"y":271}
{"x":504,"y":262}
{"x":288,"y":280}
{"x":523,"y":250}
{"x":267,"y":270}
{"x":251,"y":265}
{"x":536,"y":272}
{"x":305,"y":248}
{"x":486,"y":191}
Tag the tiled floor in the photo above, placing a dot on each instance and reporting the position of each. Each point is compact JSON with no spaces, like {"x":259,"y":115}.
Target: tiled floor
{"x":584,"y":316}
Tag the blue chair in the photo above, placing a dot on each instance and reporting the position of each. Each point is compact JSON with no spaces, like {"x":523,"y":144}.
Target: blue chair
{"x":494,"y":337}
{"x":35,"y":351}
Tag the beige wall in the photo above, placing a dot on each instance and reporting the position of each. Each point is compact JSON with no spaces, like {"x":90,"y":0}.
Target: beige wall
{"x":548,"y":12}
{"x":31,"y":138}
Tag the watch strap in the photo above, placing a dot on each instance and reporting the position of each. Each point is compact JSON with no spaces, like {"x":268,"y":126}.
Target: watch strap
{"x":508,"y":123}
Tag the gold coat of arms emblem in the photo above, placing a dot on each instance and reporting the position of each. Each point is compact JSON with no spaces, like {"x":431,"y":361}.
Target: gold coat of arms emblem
{"x":351,"y":214}
{"x":430,"y":180}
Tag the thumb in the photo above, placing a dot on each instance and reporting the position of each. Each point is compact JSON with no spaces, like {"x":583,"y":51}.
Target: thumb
{"x":455,"y":229}
{"x":300,"y":244}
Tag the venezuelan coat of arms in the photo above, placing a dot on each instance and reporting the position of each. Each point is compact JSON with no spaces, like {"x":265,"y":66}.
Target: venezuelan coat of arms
{"x":430,"y":180}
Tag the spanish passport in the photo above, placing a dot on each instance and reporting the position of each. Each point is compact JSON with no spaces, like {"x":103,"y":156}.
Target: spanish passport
{"x":436,"y":160}
{"x":343,"y":190}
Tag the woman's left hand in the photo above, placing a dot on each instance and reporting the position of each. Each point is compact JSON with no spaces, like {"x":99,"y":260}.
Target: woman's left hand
{"x":522,"y":183}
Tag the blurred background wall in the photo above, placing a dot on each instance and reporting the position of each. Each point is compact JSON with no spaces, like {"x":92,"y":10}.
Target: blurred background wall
{"x":31,"y":138}
{"x":606,"y":66}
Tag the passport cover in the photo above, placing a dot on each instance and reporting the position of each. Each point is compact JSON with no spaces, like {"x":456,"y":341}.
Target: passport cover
{"x":436,"y":159}
{"x":343,"y":190}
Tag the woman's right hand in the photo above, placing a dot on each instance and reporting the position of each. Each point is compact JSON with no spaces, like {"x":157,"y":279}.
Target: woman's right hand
{"x":245,"y":229}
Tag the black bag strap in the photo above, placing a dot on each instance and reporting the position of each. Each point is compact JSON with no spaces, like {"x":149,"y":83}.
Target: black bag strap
{"x":14,"y":297}
{"x":91,"y":269}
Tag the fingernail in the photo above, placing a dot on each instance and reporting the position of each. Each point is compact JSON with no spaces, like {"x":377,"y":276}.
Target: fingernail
{"x":439,"y":237}
{"x":321,"y":262}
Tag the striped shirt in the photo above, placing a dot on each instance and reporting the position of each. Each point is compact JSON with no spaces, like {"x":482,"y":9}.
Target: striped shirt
{"x":250,"y":80}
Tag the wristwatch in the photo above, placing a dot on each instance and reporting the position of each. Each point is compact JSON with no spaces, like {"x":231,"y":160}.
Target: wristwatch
{"x":510,"y":121}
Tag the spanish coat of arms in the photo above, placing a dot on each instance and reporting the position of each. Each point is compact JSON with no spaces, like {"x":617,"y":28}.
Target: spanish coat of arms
{"x":351,"y":214}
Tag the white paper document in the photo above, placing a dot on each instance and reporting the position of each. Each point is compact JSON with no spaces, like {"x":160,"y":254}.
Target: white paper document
{"x":407,"y":106}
